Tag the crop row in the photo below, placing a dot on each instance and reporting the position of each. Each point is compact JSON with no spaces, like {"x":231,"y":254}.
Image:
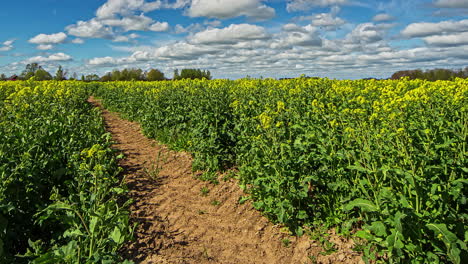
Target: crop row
{"x":384,"y":160}
{"x":58,"y":177}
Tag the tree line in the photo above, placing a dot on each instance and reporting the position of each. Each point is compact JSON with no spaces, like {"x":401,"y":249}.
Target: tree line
{"x":40,"y":74}
{"x":431,"y":75}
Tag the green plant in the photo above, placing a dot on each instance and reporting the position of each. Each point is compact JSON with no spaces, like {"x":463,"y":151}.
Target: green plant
{"x":286,"y":242}
{"x":204,"y":191}
{"x":387,"y":158}
{"x":152,"y":172}
{"x":209,"y":176}
{"x":215,"y":202}
{"x":59,"y":177}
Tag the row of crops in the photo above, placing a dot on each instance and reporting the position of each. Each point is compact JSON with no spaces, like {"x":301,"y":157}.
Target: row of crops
{"x":58,"y":184}
{"x":385,"y":160}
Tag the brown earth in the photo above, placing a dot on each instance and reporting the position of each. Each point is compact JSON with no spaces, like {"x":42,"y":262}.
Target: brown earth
{"x":177,"y":223}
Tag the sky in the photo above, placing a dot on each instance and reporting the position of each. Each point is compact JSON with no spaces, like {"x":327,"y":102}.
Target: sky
{"x":338,"y":39}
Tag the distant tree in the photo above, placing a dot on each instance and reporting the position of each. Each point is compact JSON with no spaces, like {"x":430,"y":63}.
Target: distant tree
{"x":155,"y":75}
{"x":83,"y":78}
{"x":60,"y":75}
{"x":42,"y":75}
{"x":116,"y":75}
{"x":3,"y":77}
{"x":29,"y":71}
{"x":135,"y":75}
{"x":193,"y":74}
{"x":92,"y":78}
{"x":431,"y":75}
{"x":176,"y":75}
{"x":74,"y":76}
{"x":106,"y":77}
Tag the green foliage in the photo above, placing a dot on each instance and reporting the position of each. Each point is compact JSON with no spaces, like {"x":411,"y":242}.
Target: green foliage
{"x":59,"y":185}
{"x":155,"y":75}
{"x":388,"y":158}
{"x":60,"y":75}
{"x":192,"y":74}
{"x":432,"y":75}
{"x":36,"y":71}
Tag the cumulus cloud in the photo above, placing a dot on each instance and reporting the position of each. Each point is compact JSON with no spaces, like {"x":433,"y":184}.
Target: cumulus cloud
{"x":297,"y":39}
{"x":7,"y":45}
{"x":229,"y":35}
{"x":140,"y":22}
{"x":45,"y":47}
{"x":365,"y":33}
{"x":90,"y":29}
{"x":49,"y":39}
{"x":125,"y":7}
{"x":301,"y":5}
{"x":328,"y":21}
{"x":448,"y":40}
{"x":451,"y":3}
{"x":114,"y":8}
{"x":102,"y":61}
{"x":425,"y":29}
{"x":56,"y":57}
{"x":382,"y":17}
{"x":223,"y":9}
{"x":179,"y":29}
{"x":159,"y":27}
{"x":77,"y":41}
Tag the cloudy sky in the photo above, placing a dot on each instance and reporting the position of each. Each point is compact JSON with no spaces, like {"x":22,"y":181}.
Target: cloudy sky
{"x":235,"y":38}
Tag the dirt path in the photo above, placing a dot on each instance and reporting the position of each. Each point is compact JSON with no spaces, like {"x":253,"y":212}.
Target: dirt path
{"x":177,"y":223}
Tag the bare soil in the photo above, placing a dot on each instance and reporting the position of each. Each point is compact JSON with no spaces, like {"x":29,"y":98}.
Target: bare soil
{"x":178,"y":223}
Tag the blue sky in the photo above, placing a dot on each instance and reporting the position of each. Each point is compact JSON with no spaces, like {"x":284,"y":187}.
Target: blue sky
{"x":343,"y":39}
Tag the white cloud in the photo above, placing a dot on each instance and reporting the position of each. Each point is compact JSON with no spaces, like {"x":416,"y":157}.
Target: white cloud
{"x":425,"y":29}
{"x":125,"y":7}
{"x":179,"y":29}
{"x":382,"y":17}
{"x":129,"y":23}
{"x":49,"y":39}
{"x":77,"y":41}
{"x":293,"y":28}
{"x":297,"y":39}
{"x":328,"y":21}
{"x":159,"y":27}
{"x":451,"y":3}
{"x":223,"y":9}
{"x":121,"y":39}
{"x":51,"y":58}
{"x":366,"y":33}
{"x":113,"y":8}
{"x":7,"y":45}
{"x":8,"y":42}
{"x":90,"y":29}
{"x":213,"y":23}
{"x":301,"y":5}
{"x":229,"y":35}
{"x":448,"y":40}
{"x":140,"y":23}
{"x":102,"y":61}
{"x":45,"y":47}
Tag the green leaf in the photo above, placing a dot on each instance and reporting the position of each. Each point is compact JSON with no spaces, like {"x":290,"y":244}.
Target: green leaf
{"x":394,"y":240}
{"x":116,"y":235}
{"x":365,"y":205}
{"x":443,"y":233}
{"x":364,"y":234}
{"x":450,"y":240}
{"x":378,"y":228}
{"x":92,"y":224}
